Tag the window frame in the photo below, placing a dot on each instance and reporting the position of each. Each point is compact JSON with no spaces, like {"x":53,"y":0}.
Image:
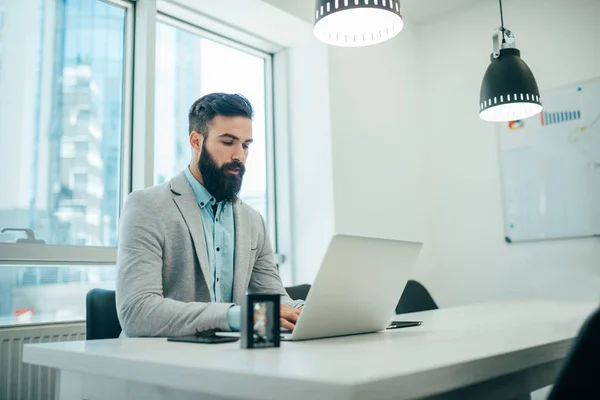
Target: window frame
{"x":137,"y":139}
{"x":188,"y":25}
{"x":39,"y":254}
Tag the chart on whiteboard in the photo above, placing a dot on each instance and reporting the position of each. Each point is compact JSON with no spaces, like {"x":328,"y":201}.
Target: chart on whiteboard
{"x":550,"y":167}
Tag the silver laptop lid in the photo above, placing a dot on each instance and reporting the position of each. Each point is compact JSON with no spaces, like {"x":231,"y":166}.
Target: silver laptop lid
{"x":357,"y":287}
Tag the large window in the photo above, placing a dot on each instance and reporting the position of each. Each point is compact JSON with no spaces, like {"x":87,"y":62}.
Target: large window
{"x":191,"y":63}
{"x":49,"y":294}
{"x":73,"y":135}
{"x":62,"y":99}
{"x":61,"y":120}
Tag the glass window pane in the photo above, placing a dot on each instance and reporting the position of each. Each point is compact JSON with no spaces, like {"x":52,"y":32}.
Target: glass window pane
{"x":49,"y":294}
{"x":61,"y":96}
{"x":189,"y":66}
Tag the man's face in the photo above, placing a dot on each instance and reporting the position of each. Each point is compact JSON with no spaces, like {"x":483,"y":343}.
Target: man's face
{"x":223,"y":156}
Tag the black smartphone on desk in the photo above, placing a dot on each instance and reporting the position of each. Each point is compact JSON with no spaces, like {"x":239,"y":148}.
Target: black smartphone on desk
{"x":213,"y":339}
{"x":403,"y":324}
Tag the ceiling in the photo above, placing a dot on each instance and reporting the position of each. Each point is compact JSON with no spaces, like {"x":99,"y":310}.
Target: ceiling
{"x":413,"y":10}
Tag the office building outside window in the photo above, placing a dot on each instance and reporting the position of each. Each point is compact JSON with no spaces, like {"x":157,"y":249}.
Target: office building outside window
{"x":61,"y":129}
{"x":65,"y":113}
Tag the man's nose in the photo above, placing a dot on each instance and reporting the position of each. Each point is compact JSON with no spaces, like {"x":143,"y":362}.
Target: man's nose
{"x":238,"y":154}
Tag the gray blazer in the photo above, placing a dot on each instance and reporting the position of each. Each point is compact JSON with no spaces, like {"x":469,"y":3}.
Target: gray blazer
{"x":164,"y":287}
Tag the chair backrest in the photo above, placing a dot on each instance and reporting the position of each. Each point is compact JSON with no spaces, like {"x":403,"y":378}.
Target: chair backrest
{"x":299,"y":292}
{"x":415,"y":298}
{"x":102,"y":321}
{"x":578,"y":378}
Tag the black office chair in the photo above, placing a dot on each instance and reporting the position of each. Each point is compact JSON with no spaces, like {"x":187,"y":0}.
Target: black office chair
{"x":415,"y":298}
{"x":101,"y":321}
{"x":578,"y":378}
{"x":299,"y":292}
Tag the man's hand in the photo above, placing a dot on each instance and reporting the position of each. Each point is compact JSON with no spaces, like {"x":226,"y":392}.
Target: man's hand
{"x":288,"y":316}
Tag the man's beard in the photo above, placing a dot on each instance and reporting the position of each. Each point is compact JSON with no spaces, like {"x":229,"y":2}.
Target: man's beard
{"x":217,"y":180}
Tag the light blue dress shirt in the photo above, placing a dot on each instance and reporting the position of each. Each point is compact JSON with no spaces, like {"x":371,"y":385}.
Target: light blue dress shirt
{"x":219,"y":233}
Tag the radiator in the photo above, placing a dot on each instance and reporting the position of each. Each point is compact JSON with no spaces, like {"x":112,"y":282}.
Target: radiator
{"x":19,"y":381}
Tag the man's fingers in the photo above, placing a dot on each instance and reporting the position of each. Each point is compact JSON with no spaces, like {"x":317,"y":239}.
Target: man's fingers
{"x":289,"y":313}
{"x":291,"y":316}
{"x":285,"y":310}
{"x":286,"y":324}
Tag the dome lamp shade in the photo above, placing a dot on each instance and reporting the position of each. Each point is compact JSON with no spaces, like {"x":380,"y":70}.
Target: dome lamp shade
{"x":509,"y":91}
{"x":356,"y":23}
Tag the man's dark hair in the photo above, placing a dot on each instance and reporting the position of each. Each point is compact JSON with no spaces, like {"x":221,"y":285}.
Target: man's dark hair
{"x":207,"y":107}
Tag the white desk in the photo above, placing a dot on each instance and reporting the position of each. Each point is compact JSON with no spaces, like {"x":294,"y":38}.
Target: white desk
{"x":492,"y":351}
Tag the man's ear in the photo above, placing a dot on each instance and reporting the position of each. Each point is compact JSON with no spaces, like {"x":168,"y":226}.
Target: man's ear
{"x":196,"y":141}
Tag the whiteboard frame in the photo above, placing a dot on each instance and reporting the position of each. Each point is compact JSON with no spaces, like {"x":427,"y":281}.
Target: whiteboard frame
{"x":497,"y":132}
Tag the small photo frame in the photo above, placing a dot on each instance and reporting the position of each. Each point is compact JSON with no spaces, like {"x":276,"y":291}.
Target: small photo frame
{"x":260,"y":321}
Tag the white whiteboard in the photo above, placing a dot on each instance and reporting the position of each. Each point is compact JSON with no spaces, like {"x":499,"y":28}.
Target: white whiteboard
{"x":550,"y":167}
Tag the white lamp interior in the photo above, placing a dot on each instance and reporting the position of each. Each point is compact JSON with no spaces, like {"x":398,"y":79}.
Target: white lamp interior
{"x":358,"y":27}
{"x":510,"y":112}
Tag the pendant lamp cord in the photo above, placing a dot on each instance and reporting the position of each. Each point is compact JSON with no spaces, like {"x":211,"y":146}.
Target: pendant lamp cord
{"x":502,"y":22}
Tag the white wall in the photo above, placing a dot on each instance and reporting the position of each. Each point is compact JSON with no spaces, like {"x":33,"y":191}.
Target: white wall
{"x":310,"y":146}
{"x":377,"y":140}
{"x":412,"y":159}
{"x":303,"y":9}
{"x":465,"y":258}
{"x":376,"y":144}
{"x":375,"y":147}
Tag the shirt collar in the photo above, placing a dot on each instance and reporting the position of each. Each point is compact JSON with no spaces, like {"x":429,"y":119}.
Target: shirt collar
{"x":203,"y":197}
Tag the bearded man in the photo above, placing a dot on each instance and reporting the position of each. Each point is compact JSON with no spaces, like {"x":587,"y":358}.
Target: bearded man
{"x":189,"y":249}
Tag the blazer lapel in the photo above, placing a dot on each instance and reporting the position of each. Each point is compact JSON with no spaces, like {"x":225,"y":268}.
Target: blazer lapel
{"x":242,"y":269}
{"x":186,"y":202}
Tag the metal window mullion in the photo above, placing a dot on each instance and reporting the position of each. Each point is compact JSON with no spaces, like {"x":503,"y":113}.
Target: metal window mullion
{"x":270,"y":153}
{"x":127,"y":112}
{"x":144,"y":53}
{"x":59,"y":255}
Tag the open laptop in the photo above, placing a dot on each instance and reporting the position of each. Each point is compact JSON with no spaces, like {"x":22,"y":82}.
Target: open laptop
{"x":357,"y":287}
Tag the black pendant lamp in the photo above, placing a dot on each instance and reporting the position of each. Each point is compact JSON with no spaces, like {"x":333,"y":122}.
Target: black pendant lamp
{"x":354,"y":23}
{"x":509,"y":91}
